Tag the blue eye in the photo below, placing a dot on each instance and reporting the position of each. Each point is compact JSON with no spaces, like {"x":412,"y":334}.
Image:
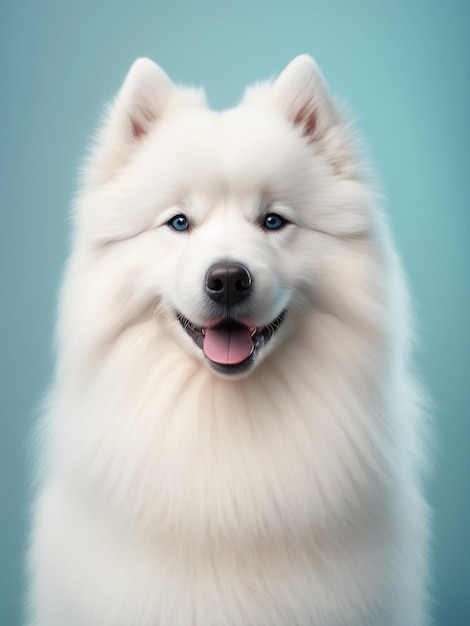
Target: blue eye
{"x":179,"y":223}
{"x":273,"y":221}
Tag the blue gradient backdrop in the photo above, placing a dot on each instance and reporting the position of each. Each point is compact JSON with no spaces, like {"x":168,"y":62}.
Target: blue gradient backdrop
{"x":403,"y":68}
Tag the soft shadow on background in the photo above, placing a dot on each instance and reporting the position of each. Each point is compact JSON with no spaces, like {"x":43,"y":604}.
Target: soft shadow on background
{"x":402,"y":68}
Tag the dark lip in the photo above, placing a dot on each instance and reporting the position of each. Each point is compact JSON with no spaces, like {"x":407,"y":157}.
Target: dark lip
{"x":260,"y":337}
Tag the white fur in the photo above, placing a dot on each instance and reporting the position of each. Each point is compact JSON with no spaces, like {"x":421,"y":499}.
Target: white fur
{"x":174,"y":496}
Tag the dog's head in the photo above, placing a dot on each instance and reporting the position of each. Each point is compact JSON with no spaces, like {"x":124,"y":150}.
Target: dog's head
{"x":222,"y":228}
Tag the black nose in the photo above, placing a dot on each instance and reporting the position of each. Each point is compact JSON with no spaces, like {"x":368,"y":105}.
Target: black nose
{"x":228,"y":283}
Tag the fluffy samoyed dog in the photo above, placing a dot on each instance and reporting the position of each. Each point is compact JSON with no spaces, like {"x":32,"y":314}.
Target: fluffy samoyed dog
{"x":232,"y":435}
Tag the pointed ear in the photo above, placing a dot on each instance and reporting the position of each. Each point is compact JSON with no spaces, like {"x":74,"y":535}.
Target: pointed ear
{"x":142,"y":97}
{"x":303,"y":95}
{"x":140,"y":102}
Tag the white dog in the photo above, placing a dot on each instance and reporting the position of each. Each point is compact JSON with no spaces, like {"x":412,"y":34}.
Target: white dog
{"x":231,"y":438}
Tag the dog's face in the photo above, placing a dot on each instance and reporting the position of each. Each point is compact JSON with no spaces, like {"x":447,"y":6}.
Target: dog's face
{"x":220,"y":227}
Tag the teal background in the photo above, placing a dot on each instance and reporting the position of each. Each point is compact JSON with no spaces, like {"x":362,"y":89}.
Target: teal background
{"x":402,"y":67}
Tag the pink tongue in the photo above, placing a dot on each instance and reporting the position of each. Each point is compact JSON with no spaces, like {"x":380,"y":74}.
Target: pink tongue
{"x":227,"y":345}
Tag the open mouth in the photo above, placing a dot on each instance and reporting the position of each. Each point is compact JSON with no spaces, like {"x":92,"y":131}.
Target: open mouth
{"x":230,"y":345}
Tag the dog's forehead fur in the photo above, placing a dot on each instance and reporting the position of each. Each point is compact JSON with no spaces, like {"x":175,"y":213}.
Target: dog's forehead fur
{"x":238,"y":149}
